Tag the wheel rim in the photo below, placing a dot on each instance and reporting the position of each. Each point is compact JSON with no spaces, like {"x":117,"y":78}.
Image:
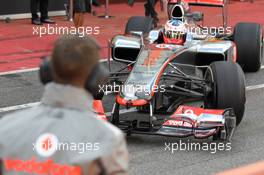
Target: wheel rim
{"x":210,"y":101}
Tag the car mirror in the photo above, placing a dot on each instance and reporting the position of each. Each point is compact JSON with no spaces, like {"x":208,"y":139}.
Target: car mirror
{"x":153,"y":35}
{"x":137,"y":33}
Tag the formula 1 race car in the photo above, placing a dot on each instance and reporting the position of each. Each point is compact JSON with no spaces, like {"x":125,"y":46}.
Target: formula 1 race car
{"x":193,"y":79}
{"x":188,"y":83}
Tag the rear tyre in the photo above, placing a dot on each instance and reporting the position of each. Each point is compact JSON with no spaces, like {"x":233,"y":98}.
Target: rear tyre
{"x":139,"y":24}
{"x":248,"y":38}
{"x":228,"y":88}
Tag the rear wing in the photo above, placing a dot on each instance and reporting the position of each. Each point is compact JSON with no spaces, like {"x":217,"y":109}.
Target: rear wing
{"x":209,"y":3}
{"x":213,"y":3}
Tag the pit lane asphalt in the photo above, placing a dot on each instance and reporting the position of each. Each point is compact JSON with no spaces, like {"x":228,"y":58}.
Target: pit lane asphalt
{"x":147,"y":153}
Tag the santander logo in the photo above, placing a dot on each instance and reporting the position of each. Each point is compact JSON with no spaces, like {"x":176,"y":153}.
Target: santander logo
{"x":46,"y":145}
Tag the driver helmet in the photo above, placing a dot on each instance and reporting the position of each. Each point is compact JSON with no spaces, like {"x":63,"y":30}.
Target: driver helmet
{"x":174,"y":32}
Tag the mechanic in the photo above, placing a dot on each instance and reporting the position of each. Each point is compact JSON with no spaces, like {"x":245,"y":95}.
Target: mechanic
{"x":150,"y":10}
{"x":79,"y":9}
{"x":32,"y":138}
{"x":42,"y":5}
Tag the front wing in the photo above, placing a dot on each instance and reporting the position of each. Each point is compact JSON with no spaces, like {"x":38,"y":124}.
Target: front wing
{"x":200,"y":123}
{"x":184,"y":122}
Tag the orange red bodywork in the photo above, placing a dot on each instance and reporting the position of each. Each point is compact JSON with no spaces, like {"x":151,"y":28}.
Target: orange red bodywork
{"x":98,"y":107}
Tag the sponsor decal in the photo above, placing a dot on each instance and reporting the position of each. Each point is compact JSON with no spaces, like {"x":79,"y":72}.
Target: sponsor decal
{"x":177,"y":123}
{"x":189,"y":111}
{"x":167,"y":46}
{"x":46,"y":146}
{"x":48,"y":167}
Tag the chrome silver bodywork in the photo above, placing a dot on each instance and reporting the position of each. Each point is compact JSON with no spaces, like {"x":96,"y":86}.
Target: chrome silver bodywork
{"x":208,"y":44}
{"x":147,"y":75}
{"x":151,"y":60}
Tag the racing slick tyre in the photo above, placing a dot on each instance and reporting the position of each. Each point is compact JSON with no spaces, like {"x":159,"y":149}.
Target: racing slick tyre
{"x":228,"y":88}
{"x":139,"y":24}
{"x":248,"y":38}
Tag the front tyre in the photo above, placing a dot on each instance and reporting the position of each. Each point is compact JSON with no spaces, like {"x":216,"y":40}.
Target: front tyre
{"x":228,"y":88}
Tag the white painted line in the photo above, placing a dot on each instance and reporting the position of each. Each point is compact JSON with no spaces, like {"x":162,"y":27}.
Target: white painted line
{"x":29,"y":105}
{"x":254,"y":87}
{"x":18,"y":107}
{"x":122,"y":111}
{"x":19,"y":71}
{"x":34,"y":69}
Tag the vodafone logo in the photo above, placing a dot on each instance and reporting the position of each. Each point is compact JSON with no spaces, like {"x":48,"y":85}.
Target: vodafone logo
{"x":33,"y":166}
{"x":46,"y":145}
{"x":178,"y":123}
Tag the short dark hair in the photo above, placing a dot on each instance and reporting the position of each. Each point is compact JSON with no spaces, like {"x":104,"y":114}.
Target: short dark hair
{"x":74,"y":57}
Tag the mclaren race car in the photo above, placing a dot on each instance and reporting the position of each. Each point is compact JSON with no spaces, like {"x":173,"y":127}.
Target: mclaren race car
{"x":188,"y":83}
{"x":181,"y":82}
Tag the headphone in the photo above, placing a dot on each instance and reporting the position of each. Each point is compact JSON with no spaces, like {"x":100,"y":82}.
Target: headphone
{"x":97,"y":78}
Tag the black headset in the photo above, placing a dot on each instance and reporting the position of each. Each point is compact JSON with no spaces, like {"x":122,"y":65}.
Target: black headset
{"x":98,"y":77}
